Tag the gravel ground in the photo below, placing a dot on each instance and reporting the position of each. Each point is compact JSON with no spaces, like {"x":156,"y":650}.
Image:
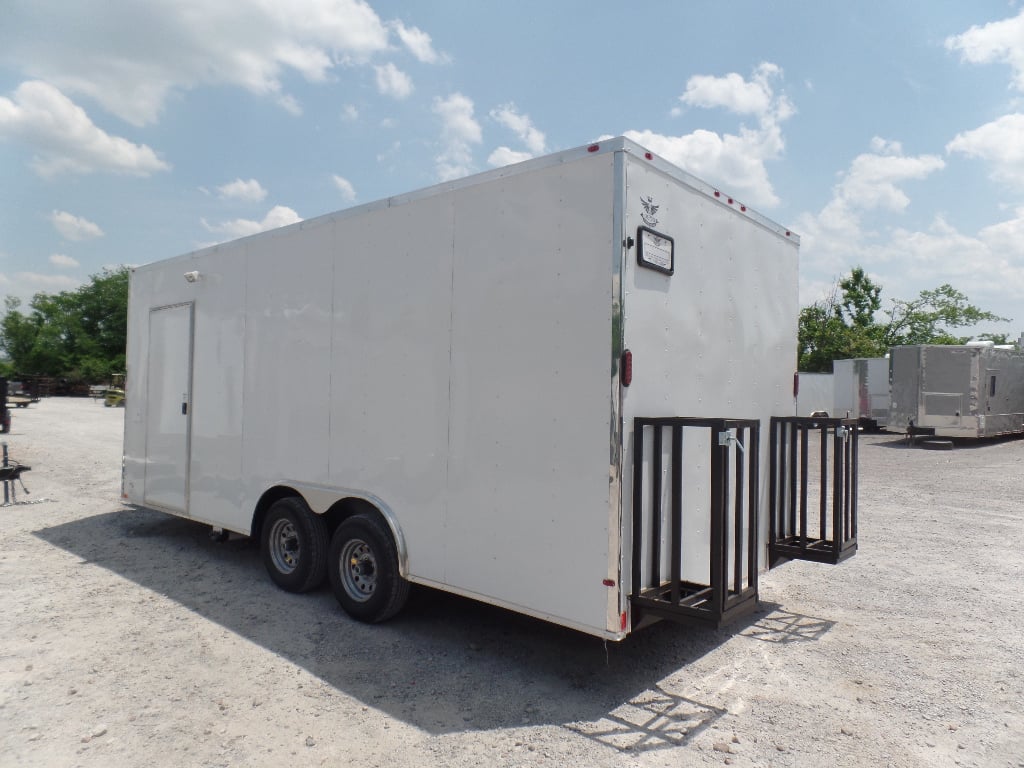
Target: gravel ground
{"x":128,"y":638}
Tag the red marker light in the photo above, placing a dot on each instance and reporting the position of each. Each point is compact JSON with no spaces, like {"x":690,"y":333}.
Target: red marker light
{"x":627,"y":368}
{"x":648,"y":155}
{"x":622,"y":621}
{"x":743,"y":208}
{"x":593,"y":148}
{"x":730,"y":201}
{"x":609,"y":582}
{"x":717,"y":193}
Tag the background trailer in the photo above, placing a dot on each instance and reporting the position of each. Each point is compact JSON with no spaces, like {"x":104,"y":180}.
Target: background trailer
{"x":444,"y":388}
{"x":861,"y":390}
{"x":815,"y":394}
{"x":973,"y":390}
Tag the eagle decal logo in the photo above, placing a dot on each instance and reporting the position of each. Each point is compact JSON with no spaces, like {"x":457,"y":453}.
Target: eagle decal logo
{"x":649,"y":214}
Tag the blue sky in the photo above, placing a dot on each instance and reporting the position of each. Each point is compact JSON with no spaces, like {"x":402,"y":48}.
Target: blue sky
{"x":888,"y":135}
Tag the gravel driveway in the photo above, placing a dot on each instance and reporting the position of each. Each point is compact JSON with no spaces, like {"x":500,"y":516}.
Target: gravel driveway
{"x":129,"y":638}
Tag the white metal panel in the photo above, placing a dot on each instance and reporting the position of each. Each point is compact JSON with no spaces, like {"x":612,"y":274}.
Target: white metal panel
{"x":848,"y":384}
{"x":717,"y":339}
{"x":527,"y":522}
{"x":389,"y":367}
{"x":862,"y":388}
{"x":878,"y":389}
{"x":133,"y":467}
{"x":216,"y":487}
{"x":815,"y":394}
{"x":287,"y":357}
{"x":168,"y":394}
{"x":157,"y":285}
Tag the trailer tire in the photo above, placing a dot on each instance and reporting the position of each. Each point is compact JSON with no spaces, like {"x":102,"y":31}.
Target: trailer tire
{"x":294,"y":545}
{"x":363,"y":569}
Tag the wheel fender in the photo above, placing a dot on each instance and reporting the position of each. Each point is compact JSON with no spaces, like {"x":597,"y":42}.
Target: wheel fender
{"x":321,"y":498}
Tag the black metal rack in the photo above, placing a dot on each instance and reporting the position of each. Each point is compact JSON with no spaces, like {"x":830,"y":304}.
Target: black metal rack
{"x":731,"y":588}
{"x":796,"y":531}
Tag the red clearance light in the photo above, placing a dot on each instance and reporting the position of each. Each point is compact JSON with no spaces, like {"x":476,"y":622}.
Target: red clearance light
{"x":622,"y":621}
{"x":743,"y":208}
{"x":609,"y":582}
{"x":788,"y":233}
{"x":627,"y":368}
{"x":593,"y":148}
{"x":648,"y":155}
{"x":717,"y":193}
{"x":730,"y":201}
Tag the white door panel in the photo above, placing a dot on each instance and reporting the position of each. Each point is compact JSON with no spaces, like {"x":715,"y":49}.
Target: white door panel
{"x":169,"y":405}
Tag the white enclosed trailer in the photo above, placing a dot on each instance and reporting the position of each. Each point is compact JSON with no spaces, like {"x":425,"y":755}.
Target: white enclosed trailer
{"x":861,"y":390}
{"x":441,"y":388}
{"x":972,"y":390}
{"x":815,"y":394}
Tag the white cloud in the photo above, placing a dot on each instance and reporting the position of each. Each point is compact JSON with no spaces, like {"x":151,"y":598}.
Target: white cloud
{"x":997,"y":41}
{"x":73,"y":227}
{"x":1006,"y":237}
{"x":521,"y":125}
{"x":349,"y":113}
{"x":980,"y":266}
{"x":348,"y":192}
{"x":1000,"y":143}
{"x":872,"y":178}
{"x":754,"y":97}
{"x":154,"y":49}
{"x":250,"y":191}
{"x":734,"y":161}
{"x":278,"y":216}
{"x":733,"y":92}
{"x":504,"y":156}
{"x":391,"y":81}
{"x":417,"y":41}
{"x":871,"y":183}
{"x":987,"y":267}
{"x":65,"y":138}
{"x":60,"y":260}
{"x":459,"y":131}
{"x":289,"y":104}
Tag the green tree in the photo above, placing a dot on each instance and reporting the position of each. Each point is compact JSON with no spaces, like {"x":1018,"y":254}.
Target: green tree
{"x":861,"y":298}
{"x":78,"y":335}
{"x":847,"y":322}
{"x":932,"y":317}
{"x":842,"y":325}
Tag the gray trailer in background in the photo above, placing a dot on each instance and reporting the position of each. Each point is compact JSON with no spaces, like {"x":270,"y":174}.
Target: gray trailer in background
{"x":972,"y":390}
{"x":861,"y":390}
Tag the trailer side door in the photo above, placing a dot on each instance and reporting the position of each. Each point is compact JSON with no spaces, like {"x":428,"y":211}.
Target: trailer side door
{"x":169,"y":406}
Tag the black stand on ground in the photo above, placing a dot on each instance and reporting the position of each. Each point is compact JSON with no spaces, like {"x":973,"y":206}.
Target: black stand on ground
{"x":10,"y":473}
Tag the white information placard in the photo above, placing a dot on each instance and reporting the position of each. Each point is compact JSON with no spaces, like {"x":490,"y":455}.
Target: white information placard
{"x":655,"y":250}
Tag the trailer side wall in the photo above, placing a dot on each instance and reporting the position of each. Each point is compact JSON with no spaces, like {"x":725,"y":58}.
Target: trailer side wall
{"x":446,"y":355}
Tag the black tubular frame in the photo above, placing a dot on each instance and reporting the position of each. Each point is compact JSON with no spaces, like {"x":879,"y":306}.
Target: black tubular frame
{"x":791,"y":535}
{"x":725,"y":598}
